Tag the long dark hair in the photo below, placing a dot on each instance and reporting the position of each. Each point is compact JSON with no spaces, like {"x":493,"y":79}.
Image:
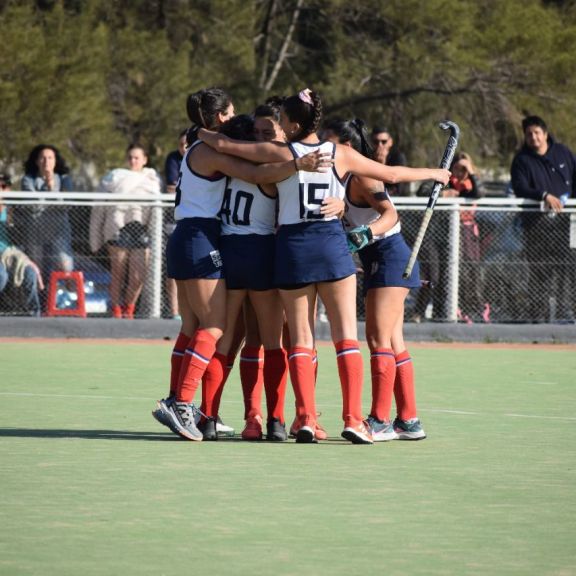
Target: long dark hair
{"x":30,"y":166}
{"x":353,"y":131}
{"x":203,"y":108}
{"x":306,"y":109}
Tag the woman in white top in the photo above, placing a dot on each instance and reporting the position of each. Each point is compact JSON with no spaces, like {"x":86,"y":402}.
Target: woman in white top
{"x":123,"y":228}
{"x":374,"y":232}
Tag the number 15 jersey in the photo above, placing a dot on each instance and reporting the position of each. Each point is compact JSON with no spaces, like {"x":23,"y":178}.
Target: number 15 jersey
{"x":302,"y":194}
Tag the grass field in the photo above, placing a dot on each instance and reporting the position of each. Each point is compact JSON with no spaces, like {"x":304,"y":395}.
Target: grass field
{"x":90,"y":484}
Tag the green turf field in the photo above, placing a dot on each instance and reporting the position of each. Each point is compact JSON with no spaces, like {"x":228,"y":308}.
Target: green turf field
{"x":90,"y":484}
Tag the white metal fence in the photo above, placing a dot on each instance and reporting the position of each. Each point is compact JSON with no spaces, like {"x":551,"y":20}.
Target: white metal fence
{"x":489,"y":260}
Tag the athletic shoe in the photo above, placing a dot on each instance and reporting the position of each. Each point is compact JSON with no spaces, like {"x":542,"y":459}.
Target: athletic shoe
{"x":320,"y":433}
{"x":208,"y":429}
{"x":381,"y":430}
{"x":221,"y":428}
{"x":253,"y":428}
{"x":182,"y":416}
{"x":276,"y":430}
{"x":358,"y":434}
{"x":306,"y":433}
{"x":409,"y":429}
{"x":161,"y":413}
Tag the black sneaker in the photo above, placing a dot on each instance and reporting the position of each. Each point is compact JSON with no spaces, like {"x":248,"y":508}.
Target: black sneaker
{"x":208,"y":429}
{"x":276,"y":430}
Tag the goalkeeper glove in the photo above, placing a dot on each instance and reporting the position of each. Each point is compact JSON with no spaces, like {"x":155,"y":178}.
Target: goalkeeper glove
{"x":358,"y":238}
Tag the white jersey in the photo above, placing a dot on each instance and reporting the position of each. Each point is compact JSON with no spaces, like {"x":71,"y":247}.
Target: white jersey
{"x":302,"y":194}
{"x":247,"y":209}
{"x":198,"y":196}
{"x":364,"y":215}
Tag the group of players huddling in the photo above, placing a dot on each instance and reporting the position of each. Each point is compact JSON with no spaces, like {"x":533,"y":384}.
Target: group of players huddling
{"x":268,"y":216}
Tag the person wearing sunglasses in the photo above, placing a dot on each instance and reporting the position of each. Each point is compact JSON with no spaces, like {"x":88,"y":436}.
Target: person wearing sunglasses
{"x":387,"y":153}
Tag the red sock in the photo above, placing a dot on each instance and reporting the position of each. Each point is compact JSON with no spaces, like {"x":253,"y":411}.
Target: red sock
{"x":200,"y":350}
{"x":349,"y":361}
{"x":252,"y":378}
{"x":275,"y":378}
{"x":404,"y":389}
{"x":229,"y":365}
{"x":300,"y":364}
{"x":315,"y":361}
{"x":383,"y":368}
{"x":213,"y":384}
{"x":176,"y":361}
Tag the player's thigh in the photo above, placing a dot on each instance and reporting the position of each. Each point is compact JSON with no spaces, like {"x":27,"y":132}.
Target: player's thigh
{"x":384,"y":315}
{"x":339,"y":298}
{"x":234,"y":302}
{"x":207,"y":299}
{"x":251,"y":325}
{"x":299,"y":308}
{"x":270,"y":315}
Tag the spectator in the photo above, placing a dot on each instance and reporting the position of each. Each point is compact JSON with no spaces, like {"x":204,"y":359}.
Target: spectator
{"x":122,"y":228}
{"x":20,"y":278}
{"x":387,"y":153}
{"x":545,"y":170}
{"x":464,"y":183}
{"x":43,"y":230}
{"x":172,"y":174}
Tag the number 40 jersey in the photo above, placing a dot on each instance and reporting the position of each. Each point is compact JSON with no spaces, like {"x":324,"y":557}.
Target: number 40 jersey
{"x":247,"y":209}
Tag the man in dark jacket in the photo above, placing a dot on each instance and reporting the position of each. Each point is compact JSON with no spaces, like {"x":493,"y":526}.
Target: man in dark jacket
{"x":545,"y":170}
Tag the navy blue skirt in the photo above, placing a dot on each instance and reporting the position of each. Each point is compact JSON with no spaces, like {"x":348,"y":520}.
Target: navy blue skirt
{"x":311,"y":252}
{"x":384,"y":262}
{"x":193,"y":250}
{"x":248,"y":261}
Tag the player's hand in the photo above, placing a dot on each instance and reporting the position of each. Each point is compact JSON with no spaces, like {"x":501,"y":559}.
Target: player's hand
{"x":332,"y":207}
{"x":316,"y":161}
{"x":358,"y":238}
{"x":441,"y":175}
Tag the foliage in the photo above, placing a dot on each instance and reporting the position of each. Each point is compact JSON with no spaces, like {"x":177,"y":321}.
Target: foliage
{"x":93,"y":76}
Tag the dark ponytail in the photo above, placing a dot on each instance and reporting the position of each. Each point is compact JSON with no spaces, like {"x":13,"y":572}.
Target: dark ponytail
{"x":306,"y":109}
{"x":203,"y":108}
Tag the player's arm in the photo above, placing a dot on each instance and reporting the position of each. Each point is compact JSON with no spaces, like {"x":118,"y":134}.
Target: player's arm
{"x":259,"y":152}
{"x":272,"y":172}
{"x":369,"y":191}
{"x":373,"y":192}
{"x":348,"y":160}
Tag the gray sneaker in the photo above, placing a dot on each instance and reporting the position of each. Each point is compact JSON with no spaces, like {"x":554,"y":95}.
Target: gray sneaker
{"x":409,"y":429}
{"x":182,"y":417}
{"x":161,"y":413}
{"x":382,"y":431}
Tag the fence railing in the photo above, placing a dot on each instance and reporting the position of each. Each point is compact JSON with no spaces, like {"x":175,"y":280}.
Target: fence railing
{"x":493,"y":259}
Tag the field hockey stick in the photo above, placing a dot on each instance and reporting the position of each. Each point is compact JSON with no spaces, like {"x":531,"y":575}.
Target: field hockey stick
{"x":444,"y":163}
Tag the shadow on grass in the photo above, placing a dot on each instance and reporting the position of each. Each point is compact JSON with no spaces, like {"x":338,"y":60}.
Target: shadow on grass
{"x":53,"y":433}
